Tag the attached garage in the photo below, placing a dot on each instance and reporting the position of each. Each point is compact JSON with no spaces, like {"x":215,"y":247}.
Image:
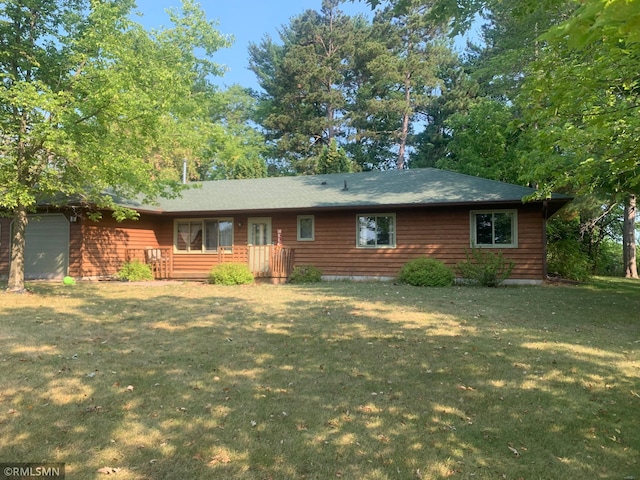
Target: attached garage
{"x":46,"y":253}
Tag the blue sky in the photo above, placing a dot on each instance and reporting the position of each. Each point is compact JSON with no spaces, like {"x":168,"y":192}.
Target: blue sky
{"x":247,"y":20}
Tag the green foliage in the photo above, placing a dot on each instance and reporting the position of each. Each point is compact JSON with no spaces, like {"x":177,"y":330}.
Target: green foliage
{"x":231,"y":274}
{"x":303,"y":81}
{"x":91,"y":101}
{"x":426,"y":272}
{"x":607,"y":262}
{"x":305,"y":274}
{"x":483,"y":144}
{"x":566,"y":259}
{"x":237,"y":149}
{"x":362,"y":83}
{"x":333,"y":159}
{"x":487,"y":269}
{"x":135,"y":271}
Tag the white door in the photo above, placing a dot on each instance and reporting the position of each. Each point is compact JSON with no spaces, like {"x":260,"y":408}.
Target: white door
{"x":46,"y":252}
{"x":259,"y":242}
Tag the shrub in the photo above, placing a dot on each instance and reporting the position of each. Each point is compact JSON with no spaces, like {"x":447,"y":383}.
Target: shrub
{"x":426,"y":272}
{"x":566,"y":259}
{"x":485,"y":268}
{"x":135,"y":271}
{"x":305,"y":274}
{"x":231,"y":274}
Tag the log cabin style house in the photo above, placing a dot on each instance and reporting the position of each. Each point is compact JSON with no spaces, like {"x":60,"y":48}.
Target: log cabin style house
{"x":360,"y":226}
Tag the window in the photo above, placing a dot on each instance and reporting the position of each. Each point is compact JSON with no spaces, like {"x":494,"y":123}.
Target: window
{"x":494,"y":229}
{"x":306,"y":228}
{"x":377,"y":231}
{"x":204,"y":236}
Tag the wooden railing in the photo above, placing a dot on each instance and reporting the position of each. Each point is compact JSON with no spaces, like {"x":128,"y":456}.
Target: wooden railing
{"x":282,"y":260}
{"x":265,"y":261}
{"x":158,"y":258}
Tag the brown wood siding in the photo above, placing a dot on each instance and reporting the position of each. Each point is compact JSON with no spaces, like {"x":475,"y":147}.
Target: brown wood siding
{"x":440,"y":233}
{"x":99,"y":248}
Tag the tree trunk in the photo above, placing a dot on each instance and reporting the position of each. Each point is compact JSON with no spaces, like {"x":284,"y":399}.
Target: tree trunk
{"x":629,"y":238}
{"x":406,"y":119}
{"x":16,"y":269}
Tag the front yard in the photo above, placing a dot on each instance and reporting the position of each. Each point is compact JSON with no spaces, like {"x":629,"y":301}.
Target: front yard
{"x":334,"y":380}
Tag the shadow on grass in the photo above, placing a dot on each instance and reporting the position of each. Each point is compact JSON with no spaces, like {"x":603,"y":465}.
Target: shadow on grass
{"x":327,"y":381}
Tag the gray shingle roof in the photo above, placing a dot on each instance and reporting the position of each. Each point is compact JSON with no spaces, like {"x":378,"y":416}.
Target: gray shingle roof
{"x":428,"y":186}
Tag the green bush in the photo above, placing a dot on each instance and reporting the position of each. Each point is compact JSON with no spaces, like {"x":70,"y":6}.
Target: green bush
{"x":485,"y":268}
{"x":567,"y":259}
{"x":305,"y":274}
{"x":135,"y":271}
{"x":426,"y":272}
{"x":231,"y":274}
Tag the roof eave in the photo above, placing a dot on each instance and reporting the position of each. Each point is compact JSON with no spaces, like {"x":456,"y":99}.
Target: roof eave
{"x":553,"y":205}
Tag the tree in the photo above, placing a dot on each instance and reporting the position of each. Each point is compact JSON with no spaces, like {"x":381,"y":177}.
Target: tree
{"x":406,"y":74}
{"x":304,"y":104}
{"x":459,"y":92}
{"x":88,"y":97}
{"x":333,"y":159}
{"x":575,"y":88}
{"x":237,"y":148}
{"x":484,"y":143}
{"x":585,"y":96}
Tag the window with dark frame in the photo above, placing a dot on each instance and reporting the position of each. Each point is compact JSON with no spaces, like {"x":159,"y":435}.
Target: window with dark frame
{"x":495,"y":228}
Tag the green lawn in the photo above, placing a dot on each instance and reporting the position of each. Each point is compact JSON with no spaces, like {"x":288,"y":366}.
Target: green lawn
{"x":333,"y":380}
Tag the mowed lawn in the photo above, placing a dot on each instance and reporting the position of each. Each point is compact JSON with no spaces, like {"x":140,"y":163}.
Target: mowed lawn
{"x":333,"y":380}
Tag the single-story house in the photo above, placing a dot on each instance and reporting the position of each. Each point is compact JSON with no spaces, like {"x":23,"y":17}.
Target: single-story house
{"x":350,"y":225}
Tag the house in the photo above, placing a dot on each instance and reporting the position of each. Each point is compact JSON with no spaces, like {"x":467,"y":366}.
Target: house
{"x":349,"y":225}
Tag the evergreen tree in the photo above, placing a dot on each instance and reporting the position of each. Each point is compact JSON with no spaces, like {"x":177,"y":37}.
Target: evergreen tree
{"x":304,"y":101}
{"x":333,"y":159}
{"x":407,"y":74}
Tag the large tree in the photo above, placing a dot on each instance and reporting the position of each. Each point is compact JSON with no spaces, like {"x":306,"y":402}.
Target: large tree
{"x":585,"y":99}
{"x":304,"y":102}
{"x":89,"y":100}
{"x":406,"y":74}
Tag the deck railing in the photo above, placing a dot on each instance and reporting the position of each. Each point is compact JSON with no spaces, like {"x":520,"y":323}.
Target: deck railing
{"x":265,"y":261}
{"x":158,"y":258}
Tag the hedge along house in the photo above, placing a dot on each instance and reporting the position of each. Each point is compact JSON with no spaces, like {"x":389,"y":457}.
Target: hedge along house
{"x":351,"y":226}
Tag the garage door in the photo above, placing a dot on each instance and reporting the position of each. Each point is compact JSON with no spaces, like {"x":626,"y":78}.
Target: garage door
{"x":46,"y":252}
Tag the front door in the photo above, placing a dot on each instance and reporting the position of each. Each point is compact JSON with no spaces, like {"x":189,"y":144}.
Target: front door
{"x":259,"y":244}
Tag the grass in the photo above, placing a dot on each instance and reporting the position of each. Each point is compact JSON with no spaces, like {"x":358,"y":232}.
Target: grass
{"x":323,"y":381}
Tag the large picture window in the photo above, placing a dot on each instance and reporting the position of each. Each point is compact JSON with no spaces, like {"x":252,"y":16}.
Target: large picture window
{"x":377,"y":231}
{"x":204,"y":236}
{"x":496,"y":228}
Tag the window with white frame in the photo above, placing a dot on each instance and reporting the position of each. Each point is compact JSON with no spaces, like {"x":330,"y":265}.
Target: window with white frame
{"x":494,"y":228}
{"x":376,"y":231}
{"x":306,"y":228}
{"x":203,"y":235}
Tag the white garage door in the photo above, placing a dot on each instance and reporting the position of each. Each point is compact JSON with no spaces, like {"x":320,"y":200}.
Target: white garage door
{"x":46,"y":252}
